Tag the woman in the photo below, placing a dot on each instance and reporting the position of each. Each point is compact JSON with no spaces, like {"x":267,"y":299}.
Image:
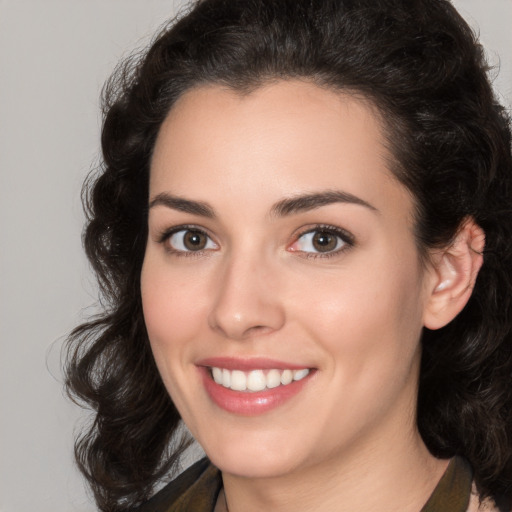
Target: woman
{"x":302,"y":234}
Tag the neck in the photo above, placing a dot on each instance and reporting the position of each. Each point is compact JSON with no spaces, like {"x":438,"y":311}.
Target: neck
{"x":387,"y":476}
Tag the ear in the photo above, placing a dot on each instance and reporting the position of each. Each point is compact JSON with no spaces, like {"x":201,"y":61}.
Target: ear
{"x":454,"y":271}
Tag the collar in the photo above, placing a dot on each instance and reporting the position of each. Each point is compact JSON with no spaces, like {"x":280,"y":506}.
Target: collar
{"x":453,"y":491}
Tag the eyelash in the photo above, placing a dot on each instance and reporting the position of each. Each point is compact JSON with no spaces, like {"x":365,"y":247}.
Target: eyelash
{"x":168,"y":233}
{"x":346,"y":237}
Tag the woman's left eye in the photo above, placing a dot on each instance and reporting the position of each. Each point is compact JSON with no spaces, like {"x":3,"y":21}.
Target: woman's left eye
{"x":322,"y":241}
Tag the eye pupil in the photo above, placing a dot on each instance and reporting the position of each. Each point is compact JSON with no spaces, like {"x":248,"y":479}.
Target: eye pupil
{"x":324,"y":242}
{"x":194,"y":240}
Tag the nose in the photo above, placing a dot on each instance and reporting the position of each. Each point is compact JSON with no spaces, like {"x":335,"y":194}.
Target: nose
{"x":248,"y":300}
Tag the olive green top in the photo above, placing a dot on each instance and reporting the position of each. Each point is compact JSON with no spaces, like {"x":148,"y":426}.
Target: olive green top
{"x":197,"y":489}
{"x":453,"y":491}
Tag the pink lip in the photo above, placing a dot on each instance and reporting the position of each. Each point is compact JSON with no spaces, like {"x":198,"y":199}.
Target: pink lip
{"x":249,"y":403}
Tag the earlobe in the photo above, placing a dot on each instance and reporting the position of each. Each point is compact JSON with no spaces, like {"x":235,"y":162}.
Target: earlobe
{"x":454,"y":272}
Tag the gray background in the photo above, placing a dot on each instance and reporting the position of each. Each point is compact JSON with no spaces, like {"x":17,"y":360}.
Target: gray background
{"x":54,"y":58}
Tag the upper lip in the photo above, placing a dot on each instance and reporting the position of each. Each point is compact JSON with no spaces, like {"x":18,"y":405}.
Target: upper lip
{"x":248,"y":364}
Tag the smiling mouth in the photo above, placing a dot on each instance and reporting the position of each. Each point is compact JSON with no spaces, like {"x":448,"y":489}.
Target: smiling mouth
{"x":256,"y":380}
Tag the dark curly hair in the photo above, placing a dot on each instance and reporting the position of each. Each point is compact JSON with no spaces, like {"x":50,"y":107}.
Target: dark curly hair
{"x":421,"y":65}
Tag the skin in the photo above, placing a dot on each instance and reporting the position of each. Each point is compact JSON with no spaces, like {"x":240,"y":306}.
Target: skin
{"x":258,"y":290}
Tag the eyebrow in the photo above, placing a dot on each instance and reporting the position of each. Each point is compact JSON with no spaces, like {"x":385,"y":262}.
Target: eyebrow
{"x":183,"y":205}
{"x":283,"y":208}
{"x":305,"y":202}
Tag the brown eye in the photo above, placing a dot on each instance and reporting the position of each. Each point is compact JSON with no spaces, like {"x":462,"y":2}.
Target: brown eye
{"x":324,"y":242}
{"x":195,"y":240}
{"x":190,"y":240}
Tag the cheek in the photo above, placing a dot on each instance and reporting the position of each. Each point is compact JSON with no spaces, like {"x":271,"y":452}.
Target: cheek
{"x":367,"y":314}
{"x":172,"y":314}
{"x":172,"y":304}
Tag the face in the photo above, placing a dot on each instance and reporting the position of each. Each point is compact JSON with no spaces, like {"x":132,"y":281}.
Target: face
{"x":282,"y":289}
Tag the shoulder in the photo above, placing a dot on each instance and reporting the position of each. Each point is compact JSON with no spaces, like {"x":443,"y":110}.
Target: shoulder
{"x":195,"y":489}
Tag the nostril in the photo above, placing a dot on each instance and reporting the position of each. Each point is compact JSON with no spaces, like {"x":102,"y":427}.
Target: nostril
{"x":258,"y":329}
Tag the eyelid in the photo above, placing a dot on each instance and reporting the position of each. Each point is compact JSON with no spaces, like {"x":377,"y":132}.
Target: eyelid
{"x":166,"y":234}
{"x":347,"y":238}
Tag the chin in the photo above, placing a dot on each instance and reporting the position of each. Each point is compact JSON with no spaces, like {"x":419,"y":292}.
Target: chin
{"x":253,"y":459}
{"x":254,"y":467}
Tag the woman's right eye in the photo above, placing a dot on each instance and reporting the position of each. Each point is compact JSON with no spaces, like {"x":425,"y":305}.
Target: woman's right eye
{"x":189,"y":240}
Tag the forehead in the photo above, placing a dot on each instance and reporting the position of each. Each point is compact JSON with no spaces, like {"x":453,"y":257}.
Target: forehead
{"x":282,"y":139}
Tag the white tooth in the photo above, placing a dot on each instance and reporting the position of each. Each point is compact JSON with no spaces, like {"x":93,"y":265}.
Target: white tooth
{"x":286,"y":377}
{"x":300,"y":374}
{"x":217,"y":375}
{"x":273,"y":379}
{"x":226,"y":378}
{"x":238,"y":380}
{"x":256,"y":381}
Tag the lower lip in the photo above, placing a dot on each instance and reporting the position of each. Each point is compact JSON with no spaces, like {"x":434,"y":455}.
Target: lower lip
{"x":247,"y":403}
